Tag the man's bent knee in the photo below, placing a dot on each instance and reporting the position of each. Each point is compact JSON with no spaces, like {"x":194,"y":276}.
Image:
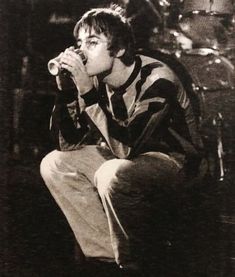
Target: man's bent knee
{"x":106,"y":177}
{"x":48,"y":163}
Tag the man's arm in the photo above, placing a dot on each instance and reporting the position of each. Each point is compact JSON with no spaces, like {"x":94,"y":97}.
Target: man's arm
{"x":68,"y":123}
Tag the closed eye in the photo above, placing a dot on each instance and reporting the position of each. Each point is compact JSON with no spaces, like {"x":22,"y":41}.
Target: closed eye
{"x":92,"y":42}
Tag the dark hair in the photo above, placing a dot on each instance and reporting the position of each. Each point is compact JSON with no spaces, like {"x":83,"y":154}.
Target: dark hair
{"x":114,"y":25}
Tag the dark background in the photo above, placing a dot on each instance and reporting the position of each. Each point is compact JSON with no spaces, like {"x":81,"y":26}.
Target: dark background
{"x":35,"y":239}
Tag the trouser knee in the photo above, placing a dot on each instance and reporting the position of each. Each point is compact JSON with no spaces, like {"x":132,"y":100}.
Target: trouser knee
{"x":107,"y":177}
{"x":48,"y":166}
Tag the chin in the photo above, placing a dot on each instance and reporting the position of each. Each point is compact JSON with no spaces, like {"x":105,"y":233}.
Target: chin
{"x":91,"y":72}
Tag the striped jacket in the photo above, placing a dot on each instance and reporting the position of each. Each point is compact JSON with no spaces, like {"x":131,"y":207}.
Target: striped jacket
{"x":150,"y":112}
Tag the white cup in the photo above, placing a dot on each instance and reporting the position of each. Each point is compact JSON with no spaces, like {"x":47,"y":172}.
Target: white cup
{"x":54,"y":65}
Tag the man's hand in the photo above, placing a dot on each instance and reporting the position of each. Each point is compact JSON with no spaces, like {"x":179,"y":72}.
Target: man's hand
{"x":73,"y":63}
{"x":64,"y":81}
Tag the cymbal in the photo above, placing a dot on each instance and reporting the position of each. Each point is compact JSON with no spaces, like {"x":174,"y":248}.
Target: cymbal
{"x":218,"y":7}
{"x":202,"y":51}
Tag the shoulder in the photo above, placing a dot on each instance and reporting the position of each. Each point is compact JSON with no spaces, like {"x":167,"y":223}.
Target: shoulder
{"x":156,"y":69}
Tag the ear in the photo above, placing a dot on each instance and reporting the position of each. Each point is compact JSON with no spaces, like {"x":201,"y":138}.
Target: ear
{"x":120,"y":53}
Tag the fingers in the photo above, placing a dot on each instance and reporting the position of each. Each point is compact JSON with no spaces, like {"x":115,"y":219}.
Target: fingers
{"x":71,"y":56}
{"x":72,"y":61}
{"x":67,"y":67}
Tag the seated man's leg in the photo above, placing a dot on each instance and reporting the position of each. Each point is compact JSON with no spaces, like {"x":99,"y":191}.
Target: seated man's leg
{"x":69,"y":177}
{"x":127,"y":189}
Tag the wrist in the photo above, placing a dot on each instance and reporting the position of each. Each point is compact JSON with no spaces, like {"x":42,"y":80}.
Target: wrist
{"x":67,"y":96}
{"x":90,"y":97}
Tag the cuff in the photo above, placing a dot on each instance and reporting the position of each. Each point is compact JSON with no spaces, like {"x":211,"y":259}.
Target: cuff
{"x":67,"y":96}
{"x":91,"y":97}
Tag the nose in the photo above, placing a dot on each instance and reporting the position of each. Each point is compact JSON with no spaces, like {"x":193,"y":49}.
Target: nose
{"x":83,"y":46}
{"x":82,"y":50}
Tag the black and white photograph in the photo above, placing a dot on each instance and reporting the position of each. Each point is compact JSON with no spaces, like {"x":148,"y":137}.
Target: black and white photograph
{"x":117,"y":148}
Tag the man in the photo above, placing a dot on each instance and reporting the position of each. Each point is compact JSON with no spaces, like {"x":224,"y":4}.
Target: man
{"x":150,"y":139}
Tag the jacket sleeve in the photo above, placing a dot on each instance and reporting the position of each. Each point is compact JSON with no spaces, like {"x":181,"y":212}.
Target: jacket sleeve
{"x":151,"y":113}
{"x":68,"y":124}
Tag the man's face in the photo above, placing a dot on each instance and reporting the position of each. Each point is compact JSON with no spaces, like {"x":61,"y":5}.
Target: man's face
{"x":94,"y":46}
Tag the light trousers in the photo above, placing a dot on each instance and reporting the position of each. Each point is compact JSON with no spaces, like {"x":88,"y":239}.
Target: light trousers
{"x":107,"y":200}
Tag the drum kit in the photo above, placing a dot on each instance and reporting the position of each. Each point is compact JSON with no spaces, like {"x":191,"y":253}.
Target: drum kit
{"x":203,"y":43}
